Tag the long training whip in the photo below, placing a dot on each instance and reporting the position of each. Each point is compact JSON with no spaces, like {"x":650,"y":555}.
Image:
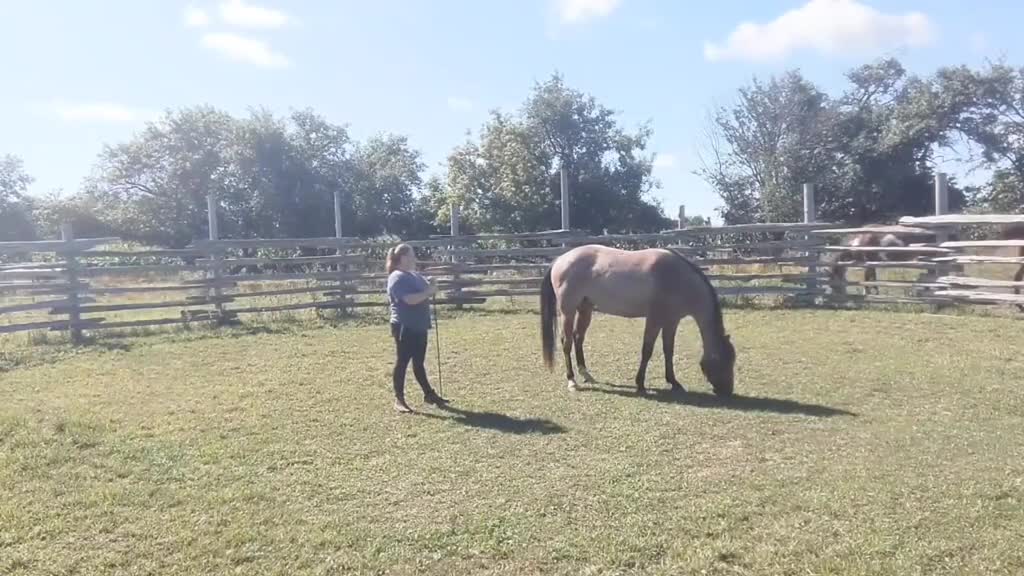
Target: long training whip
{"x":437,"y":345}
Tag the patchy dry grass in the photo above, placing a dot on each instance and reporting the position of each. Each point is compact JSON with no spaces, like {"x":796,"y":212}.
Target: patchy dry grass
{"x":863,"y":443}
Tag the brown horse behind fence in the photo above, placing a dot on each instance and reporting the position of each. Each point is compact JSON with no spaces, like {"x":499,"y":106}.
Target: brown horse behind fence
{"x":886,"y":240}
{"x":656,"y":284}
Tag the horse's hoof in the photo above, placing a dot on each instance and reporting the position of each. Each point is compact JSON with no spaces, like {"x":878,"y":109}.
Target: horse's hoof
{"x":587,"y":378}
{"x":571,"y":385}
{"x":641,"y":390}
{"x":677,"y":388}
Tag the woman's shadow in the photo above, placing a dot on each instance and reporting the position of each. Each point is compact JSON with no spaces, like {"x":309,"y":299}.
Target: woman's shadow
{"x":736,"y":402}
{"x":496,"y":421}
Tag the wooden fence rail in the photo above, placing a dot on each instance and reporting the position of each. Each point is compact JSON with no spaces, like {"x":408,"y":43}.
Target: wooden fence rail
{"x":92,"y":284}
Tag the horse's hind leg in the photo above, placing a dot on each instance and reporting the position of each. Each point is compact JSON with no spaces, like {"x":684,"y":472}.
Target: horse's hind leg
{"x":583,"y":316}
{"x":568,"y":331}
{"x":668,"y":343}
{"x":870,"y":275}
{"x":1017,"y":278}
{"x":651,"y":329}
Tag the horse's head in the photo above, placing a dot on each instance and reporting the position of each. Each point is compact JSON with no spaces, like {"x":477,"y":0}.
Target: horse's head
{"x":718,"y":366}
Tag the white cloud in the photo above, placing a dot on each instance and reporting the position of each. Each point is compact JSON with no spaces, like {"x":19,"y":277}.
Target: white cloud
{"x":459,"y":104}
{"x":96,"y":112}
{"x":665,"y":160}
{"x":196,"y":17}
{"x":246,"y":50}
{"x":575,"y":11}
{"x":239,"y":13}
{"x":825,"y":26}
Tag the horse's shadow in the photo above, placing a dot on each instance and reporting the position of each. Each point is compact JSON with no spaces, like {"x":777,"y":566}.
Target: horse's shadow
{"x":736,"y":402}
{"x":496,"y":421}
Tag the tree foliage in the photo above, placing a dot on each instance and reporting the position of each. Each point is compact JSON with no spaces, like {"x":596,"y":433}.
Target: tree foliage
{"x":509,"y":180}
{"x":272,"y":177}
{"x":15,"y":207}
{"x":869,"y":151}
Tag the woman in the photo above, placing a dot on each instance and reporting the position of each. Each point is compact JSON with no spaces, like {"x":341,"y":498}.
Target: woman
{"x":409,"y":294}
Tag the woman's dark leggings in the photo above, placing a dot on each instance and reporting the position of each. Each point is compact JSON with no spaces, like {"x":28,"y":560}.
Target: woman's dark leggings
{"x":409,"y":345}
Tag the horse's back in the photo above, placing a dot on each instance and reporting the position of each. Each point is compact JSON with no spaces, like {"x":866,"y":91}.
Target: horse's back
{"x":617,"y":282}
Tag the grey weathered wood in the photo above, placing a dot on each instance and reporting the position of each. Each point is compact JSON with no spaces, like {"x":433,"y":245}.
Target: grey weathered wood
{"x":299,"y":260}
{"x":889,"y":249}
{"x":37,"y":289}
{"x":8,"y":275}
{"x":282,"y":243}
{"x":73,"y":305}
{"x":966,"y":281}
{"x":146,"y":253}
{"x":112,"y":290}
{"x":810,"y":207}
{"x":984,"y":244}
{"x":566,"y":201}
{"x":782,"y":261}
{"x":337,"y":215}
{"x":962,"y":220}
{"x":147,"y":323}
{"x":140,"y":270}
{"x":767,"y":245}
{"x":62,"y":325}
{"x":324,"y":289}
{"x":54,"y":246}
{"x":43,"y":305}
{"x":782,"y":277}
{"x":982,"y":259}
{"x":203,"y":301}
{"x":909,"y":265}
{"x":896,"y":230}
{"x":892,"y":284}
{"x":982,"y":297}
{"x":506,"y":253}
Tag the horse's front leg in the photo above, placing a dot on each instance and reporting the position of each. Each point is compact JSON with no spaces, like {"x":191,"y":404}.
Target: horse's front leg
{"x":568,"y":325}
{"x":651,"y":329}
{"x":668,"y":343}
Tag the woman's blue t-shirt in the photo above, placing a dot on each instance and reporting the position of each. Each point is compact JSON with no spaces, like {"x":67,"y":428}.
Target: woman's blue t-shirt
{"x":412,"y":317}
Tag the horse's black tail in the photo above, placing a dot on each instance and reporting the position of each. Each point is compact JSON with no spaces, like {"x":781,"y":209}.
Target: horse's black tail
{"x":547,"y":319}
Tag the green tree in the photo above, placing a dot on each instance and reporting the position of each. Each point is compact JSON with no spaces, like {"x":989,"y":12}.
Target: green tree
{"x":15,"y":205}
{"x":987,"y":107}
{"x":509,"y":180}
{"x":272,"y":177}
{"x":869,"y":152}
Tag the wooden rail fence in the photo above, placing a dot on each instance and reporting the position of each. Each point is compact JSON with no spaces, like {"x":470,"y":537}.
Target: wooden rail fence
{"x":83,"y":285}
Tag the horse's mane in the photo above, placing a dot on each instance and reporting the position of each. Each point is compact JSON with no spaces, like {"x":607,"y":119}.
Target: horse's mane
{"x":716,"y":306}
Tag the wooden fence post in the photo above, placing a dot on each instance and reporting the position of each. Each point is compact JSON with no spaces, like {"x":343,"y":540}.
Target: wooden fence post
{"x":810,"y":216}
{"x":565,"y":198}
{"x":342,"y":268}
{"x":941,"y":207}
{"x":456,"y":290}
{"x":67,"y":234}
{"x":215,"y":256}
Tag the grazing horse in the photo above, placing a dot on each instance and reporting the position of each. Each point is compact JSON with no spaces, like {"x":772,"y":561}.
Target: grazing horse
{"x":656,"y":284}
{"x":882,"y":240}
{"x":885,"y":240}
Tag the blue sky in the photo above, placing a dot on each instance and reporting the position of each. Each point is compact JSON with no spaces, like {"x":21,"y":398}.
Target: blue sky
{"x":80,"y":74}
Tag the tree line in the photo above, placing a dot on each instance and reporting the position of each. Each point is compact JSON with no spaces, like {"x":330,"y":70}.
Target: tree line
{"x":871,"y":151}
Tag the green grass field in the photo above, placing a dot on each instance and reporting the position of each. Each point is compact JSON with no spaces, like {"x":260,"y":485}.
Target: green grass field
{"x":862,"y":443}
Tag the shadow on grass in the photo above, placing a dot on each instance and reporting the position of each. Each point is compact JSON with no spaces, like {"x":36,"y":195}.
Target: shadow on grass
{"x":497,"y":422}
{"x":737,"y":402}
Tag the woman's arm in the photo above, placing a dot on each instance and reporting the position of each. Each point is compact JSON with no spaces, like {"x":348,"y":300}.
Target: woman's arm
{"x":418,"y":297}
